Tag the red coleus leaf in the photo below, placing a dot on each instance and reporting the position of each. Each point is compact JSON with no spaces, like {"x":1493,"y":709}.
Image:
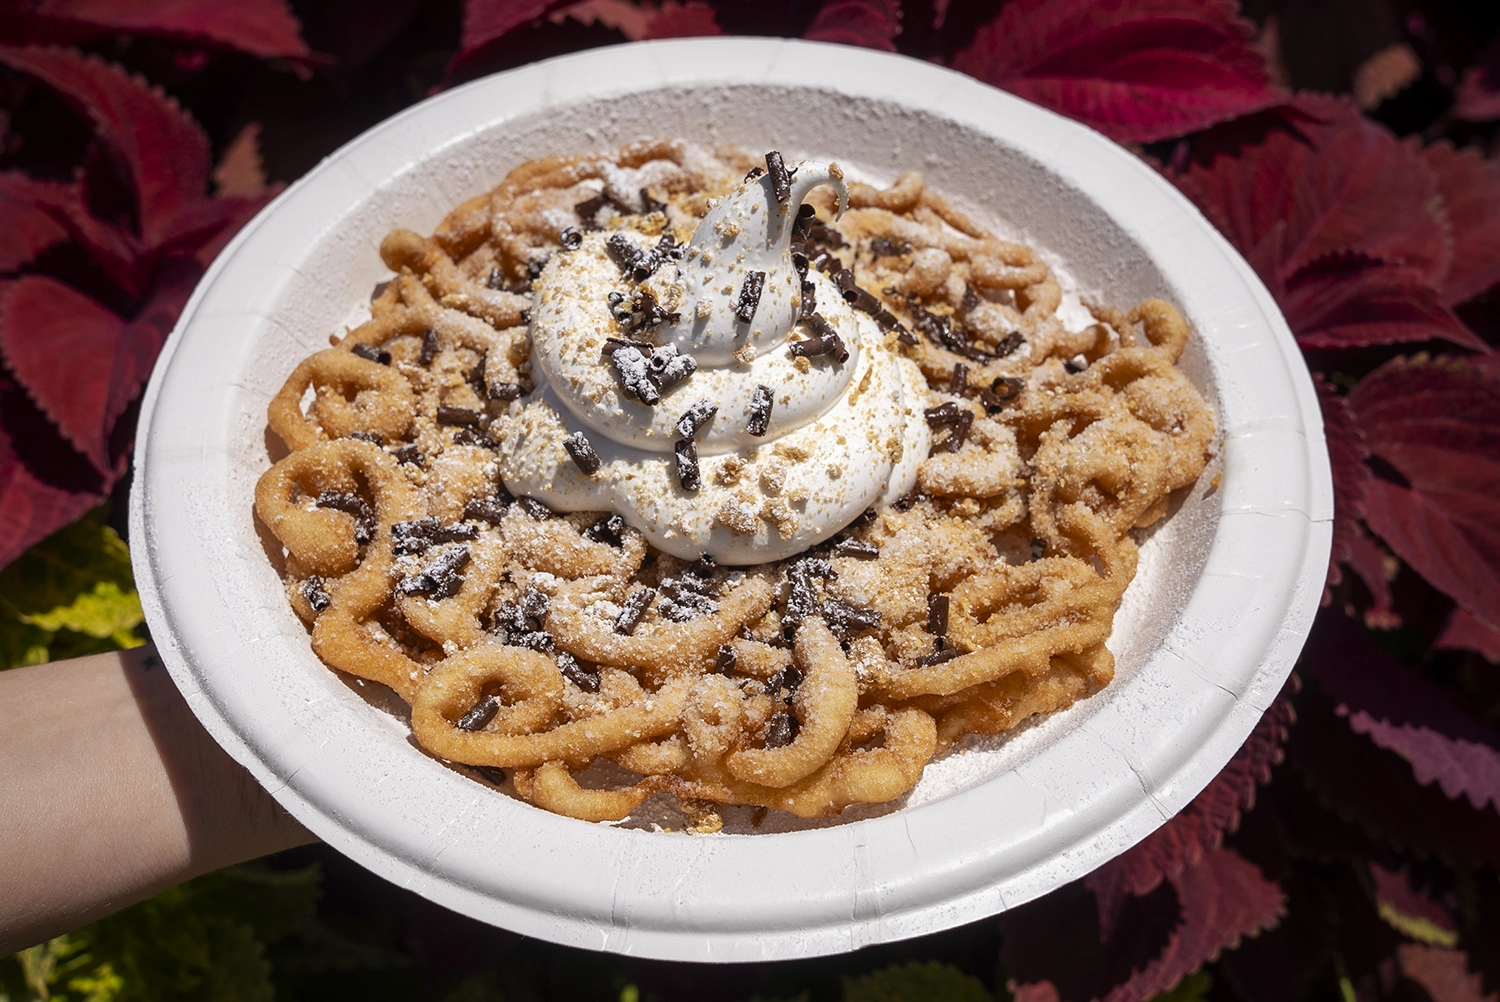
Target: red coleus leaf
{"x":1222,"y":899}
{"x":30,"y":508}
{"x":1465,"y":632}
{"x":873,"y":24}
{"x":1332,"y":182}
{"x":1349,"y":301}
{"x":686,"y":20}
{"x":241,"y":170}
{"x":1470,"y":186}
{"x":259,"y":27}
{"x":165,"y":154}
{"x":80,"y":362}
{"x":1477,"y":97}
{"x":27,"y":229}
{"x":1443,"y":973}
{"x":1409,"y":911}
{"x":1400,"y":711}
{"x":488,"y":21}
{"x":1347,"y":453}
{"x":1184,"y":840}
{"x":1434,"y":428}
{"x":1136,"y":70}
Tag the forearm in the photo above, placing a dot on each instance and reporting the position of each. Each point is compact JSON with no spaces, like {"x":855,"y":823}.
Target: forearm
{"x":110,"y":790}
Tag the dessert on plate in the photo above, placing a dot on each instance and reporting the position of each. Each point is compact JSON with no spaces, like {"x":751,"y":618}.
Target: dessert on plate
{"x":761,"y":484}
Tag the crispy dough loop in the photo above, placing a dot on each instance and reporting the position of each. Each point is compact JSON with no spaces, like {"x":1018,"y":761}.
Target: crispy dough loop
{"x":554,"y":789}
{"x":352,"y":395}
{"x":825,"y":703}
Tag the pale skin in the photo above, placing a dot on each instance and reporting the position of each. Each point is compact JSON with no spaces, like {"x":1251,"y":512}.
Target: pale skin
{"x":110,"y":790}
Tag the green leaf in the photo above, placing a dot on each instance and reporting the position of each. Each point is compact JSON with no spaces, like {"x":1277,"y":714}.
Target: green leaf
{"x":203,"y":941}
{"x":916,"y":981}
{"x":69,"y":595}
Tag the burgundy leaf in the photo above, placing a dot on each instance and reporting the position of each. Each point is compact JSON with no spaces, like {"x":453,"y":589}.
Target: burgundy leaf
{"x":1443,"y":973}
{"x":1281,"y":964}
{"x":1400,"y":711}
{"x":241,"y":170}
{"x":1470,"y":186}
{"x":1435,"y":424}
{"x":1136,"y":70}
{"x":165,"y":153}
{"x":1347,"y":453}
{"x":1351,"y":301}
{"x":1224,"y":898}
{"x":1376,"y":569}
{"x":1409,"y":911}
{"x":488,"y":21}
{"x":43,"y":322}
{"x":1199,"y":829}
{"x":61,"y":345}
{"x":873,"y":24}
{"x":1336,"y":182}
{"x":260,"y":27}
{"x":686,"y":20}
{"x":1465,"y":632}
{"x":26,"y":228}
{"x":1477,"y":97}
{"x":31,"y":509}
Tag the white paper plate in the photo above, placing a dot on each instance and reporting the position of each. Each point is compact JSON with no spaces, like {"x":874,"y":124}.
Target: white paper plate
{"x":1207,"y":634}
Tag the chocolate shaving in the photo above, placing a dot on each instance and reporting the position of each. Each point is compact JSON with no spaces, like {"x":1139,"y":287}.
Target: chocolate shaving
{"x":695,"y":417}
{"x":534,"y":508}
{"x":1003,"y":389}
{"x":668,"y":368}
{"x":864,"y":301}
{"x":726,"y":660}
{"x":1072,"y":366}
{"x":650,"y":204}
{"x":822,"y":233}
{"x":825,"y":342}
{"x":570,"y":238}
{"x":809,"y":299}
{"x":749,"y":301}
{"x":356,"y":506}
{"x":754,"y":172}
{"x":802,"y":594}
{"x":429,"y":347}
{"x":843,"y":280}
{"x":468,"y":436}
{"x":635,"y":376}
{"x":635,"y":607}
{"x":491,"y":510}
{"x":367,"y":436}
{"x":439,"y":579}
{"x":589,"y":208}
{"x":480,"y":714}
{"x":688,"y":474}
{"x":781,"y":178}
{"x":959,"y":433}
{"x":409,"y":455}
{"x":609,"y":529}
{"x":945,"y":413}
{"x":958,"y":383}
{"x":844,"y":619}
{"x":937,"y":617}
{"x":857,"y":549}
{"x":784,"y":683}
{"x":495,"y":279}
{"x":419,"y":535}
{"x":761,"y":402}
{"x":534,"y":268}
{"x":317,"y":596}
{"x":781,"y":730}
{"x":683,"y":599}
{"x":1008,"y":344}
{"x":467,"y":416}
{"x":1038,"y":549}
{"x":576,"y":673}
{"x":938,"y":657}
{"x":886,"y":247}
{"x":503,"y":391}
{"x":370,"y":353}
{"x":584,"y":456}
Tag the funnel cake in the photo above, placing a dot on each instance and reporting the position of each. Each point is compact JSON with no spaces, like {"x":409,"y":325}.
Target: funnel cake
{"x":761,"y":483}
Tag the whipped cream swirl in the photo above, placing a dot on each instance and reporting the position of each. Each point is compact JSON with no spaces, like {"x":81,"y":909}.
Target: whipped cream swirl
{"x":844,"y":429}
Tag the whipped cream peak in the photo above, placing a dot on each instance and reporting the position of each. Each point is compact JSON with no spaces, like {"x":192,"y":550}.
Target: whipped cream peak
{"x":741,"y":292}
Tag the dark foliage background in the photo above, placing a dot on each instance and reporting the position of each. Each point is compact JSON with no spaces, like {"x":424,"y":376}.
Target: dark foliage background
{"x":1349,"y":852}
